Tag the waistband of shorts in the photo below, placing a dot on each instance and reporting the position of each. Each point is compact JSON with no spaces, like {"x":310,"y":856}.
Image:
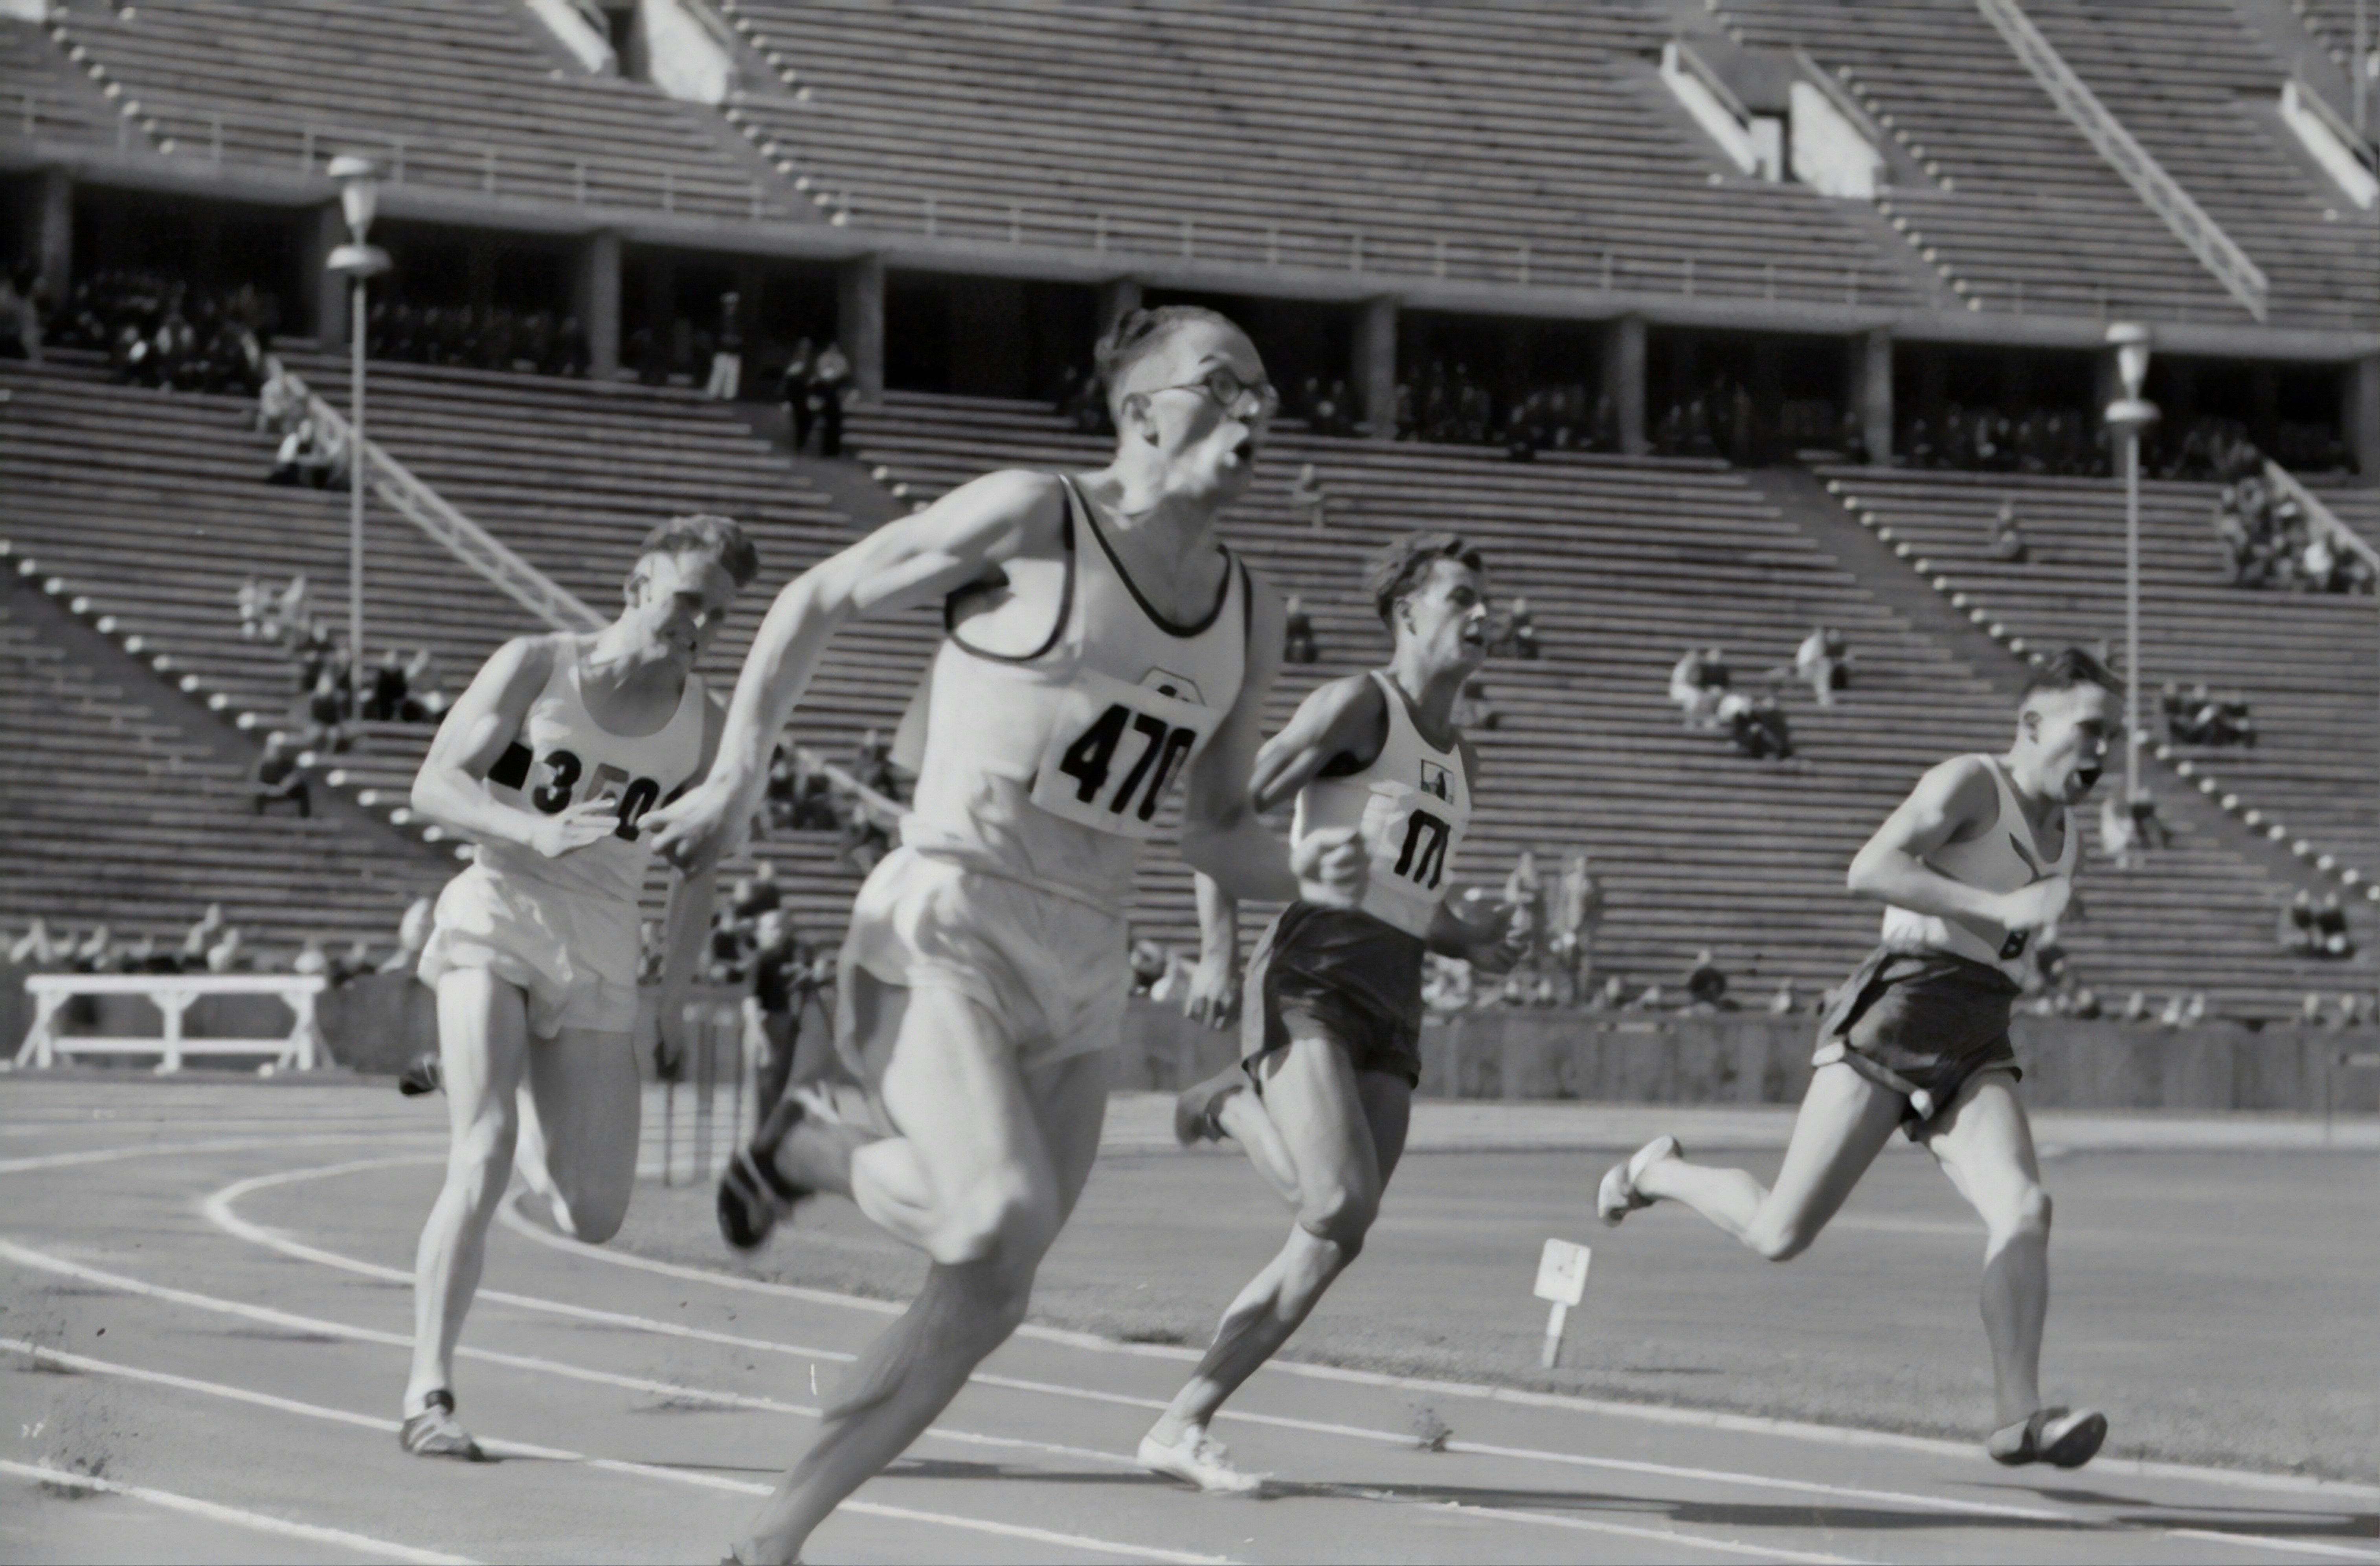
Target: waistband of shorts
{"x":1959,"y":960}
{"x":981,"y":867}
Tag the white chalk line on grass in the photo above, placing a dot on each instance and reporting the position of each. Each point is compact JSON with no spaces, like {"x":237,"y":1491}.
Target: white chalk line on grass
{"x":557,"y":1454}
{"x":25,"y":1255}
{"x":214,"y":1511}
{"x":2340,"y":1491}
{"x":219,"y":1209}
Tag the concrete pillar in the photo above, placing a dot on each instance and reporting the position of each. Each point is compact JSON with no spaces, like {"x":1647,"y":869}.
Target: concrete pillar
{"x":1623,"y":381}
{"x":1871,"y":388}
{"x":1376,"y":365}
{"x":53,"y":225}
{"x":595,"y":300}
{"x":859,"y":321}
{"x":2360,"y":411}
{"x":1118,"y":298}
{"x":329,"y":321}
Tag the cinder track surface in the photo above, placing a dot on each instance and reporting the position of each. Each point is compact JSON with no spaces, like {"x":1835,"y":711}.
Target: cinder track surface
{"x":208,"y":1309}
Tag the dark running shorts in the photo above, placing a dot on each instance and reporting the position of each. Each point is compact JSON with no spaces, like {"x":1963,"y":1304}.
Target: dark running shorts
{"x":1336,"y":974}
{"x":1921,"y":1024}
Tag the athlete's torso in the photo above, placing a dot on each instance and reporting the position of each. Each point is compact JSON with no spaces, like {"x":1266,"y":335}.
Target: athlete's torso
{"x":2002,"y":859}
{"x":562,"y":757}
{"x":1411,"y":807}
{"x":1049,"y":764}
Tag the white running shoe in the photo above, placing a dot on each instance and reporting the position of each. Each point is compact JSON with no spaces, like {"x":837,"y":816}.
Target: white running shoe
{"x":1199,"y":1459}
{"x":1618,"y":1195}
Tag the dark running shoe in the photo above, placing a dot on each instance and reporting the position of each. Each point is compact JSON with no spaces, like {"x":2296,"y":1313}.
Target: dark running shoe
{"x":2055,"y":1436}
{"x":421,"y":1075}
{"x":753,"y":1196}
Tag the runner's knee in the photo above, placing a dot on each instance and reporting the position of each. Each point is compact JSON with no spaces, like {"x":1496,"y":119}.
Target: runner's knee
{"x":1340,"y":1214}
{"x":1012,"y":1219}
{"x":1780,"y":1239}
{"x":2025,"y":1213}
{"x":590,"y":1210}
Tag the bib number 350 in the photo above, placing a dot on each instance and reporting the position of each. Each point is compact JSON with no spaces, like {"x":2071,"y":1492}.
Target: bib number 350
{"x":1125,"y":761}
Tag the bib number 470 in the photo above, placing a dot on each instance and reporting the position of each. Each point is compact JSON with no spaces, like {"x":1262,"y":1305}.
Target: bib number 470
{"x":1091,"y":760}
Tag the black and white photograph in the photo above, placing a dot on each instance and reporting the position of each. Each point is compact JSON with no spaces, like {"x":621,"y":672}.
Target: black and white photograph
{"x":1174,"y":781}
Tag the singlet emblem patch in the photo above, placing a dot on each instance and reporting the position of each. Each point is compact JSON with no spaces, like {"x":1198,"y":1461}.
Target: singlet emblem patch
{"x":1435,"y":782}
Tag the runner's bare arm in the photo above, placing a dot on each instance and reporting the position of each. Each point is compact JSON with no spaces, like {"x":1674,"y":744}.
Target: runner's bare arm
{"x":1347,"y":717}
{"x":1221,"y":835}
{"x":1213,"y":996}
{"x":483,"y":722}
{"x":913,"y":560}
{"x":686,"y":929}
{"x":1953,"y":803}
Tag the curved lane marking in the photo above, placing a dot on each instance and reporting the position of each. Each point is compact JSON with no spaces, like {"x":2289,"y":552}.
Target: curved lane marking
{"x":218,"y":1208}
{"x":614,"y":1465}
{"x":214,"y":1511}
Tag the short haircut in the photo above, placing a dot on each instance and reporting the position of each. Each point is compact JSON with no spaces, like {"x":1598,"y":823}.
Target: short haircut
{"x":1140,"y":333}
{"x":1405,"y":565}
{"x":2069,"y":670}
{"x":722,"y":538}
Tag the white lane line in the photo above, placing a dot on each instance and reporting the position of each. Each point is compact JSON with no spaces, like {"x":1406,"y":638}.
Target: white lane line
{"x":167,"y":1150}
{"x":218,"y":1211}
{"x":614,"y":1465}
{"x":214,"y":1511}
{"x":218,"y":1208}
{"x":290,"y":1322}
{"x":2339,"y":1491}
{"x":2304,"y":1547}
{"x":1583,"y":1524}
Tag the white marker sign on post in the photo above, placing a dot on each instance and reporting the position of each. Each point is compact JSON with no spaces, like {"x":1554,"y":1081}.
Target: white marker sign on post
{"x":1561,"y":1277}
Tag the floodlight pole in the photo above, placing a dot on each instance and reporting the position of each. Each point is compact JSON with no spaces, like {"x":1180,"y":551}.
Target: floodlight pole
{"x":358,"y":261}
{"x":2129,"y":415}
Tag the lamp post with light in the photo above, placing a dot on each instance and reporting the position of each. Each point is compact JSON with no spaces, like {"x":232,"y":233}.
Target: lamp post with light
{"x":2129,"y":415}
{"x":358,"y":262}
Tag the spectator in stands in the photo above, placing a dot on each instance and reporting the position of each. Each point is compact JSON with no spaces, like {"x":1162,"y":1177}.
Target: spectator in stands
{"x":2006,"y":538}
{"x":227,"y":954}
{"x":312,"y":960}
{"x":385,"y":692}
{"x":412,"y":935}
{"x":1757,"y":726}
{"x":1781,"y":1003}
{"x":757,"y":893}
{"x":1577,"y":914}
{"x":1524,"y":893}
{"x":1147,"y":960}
{"x":833,"y":385}
{"x":330,"y":707}
{"x":203,"y":932}
{"x":90,"y":954}
{"x":20,"y":317}
{"x":1517,"y":638}
{"x":425,"y":698}
{"x":36,"y":949}
{"x":255,"y":603}
{"x":1706,"y":985}
{"x":1697,"y":684}
{"x":2294,"y":932}
{"x":280,"y":779}
{"x":1297,"y":632}
{"x":727,"y":353}
{"x":2331,"y":939}
{"x":1308,"y":495}
{"x":1823,"y":662}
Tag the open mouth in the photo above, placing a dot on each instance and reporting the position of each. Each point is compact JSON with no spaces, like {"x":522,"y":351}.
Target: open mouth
{"x":1246,"y":451}
{"x":2086,"y":776}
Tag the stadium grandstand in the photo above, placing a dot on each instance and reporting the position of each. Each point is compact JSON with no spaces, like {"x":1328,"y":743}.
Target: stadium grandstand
{"x":1713,"y":322}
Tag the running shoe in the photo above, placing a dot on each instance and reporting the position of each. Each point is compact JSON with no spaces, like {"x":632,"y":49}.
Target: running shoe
{"x":1195,"y":1106}
{"x":2056,"y":1436}
{"x":433,"y":1432}
{"x":753,"y":1196}
{"x":1618,"y":1195}
{"x":423,"y":1074}
{"x":1198,"y":1460}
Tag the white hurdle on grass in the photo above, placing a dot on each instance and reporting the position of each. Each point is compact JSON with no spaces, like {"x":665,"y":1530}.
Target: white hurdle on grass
{"x":1561,"y":1277}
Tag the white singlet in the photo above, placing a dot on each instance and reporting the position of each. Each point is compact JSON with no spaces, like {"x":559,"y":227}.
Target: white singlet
{"x":1049,"y":767}
{"x":1413,"y":805}
{"x":2003,"y":859}
{"x":562,"y":757}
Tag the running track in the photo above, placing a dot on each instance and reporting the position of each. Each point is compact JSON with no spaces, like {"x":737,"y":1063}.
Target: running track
{"x":208,"y":1310}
